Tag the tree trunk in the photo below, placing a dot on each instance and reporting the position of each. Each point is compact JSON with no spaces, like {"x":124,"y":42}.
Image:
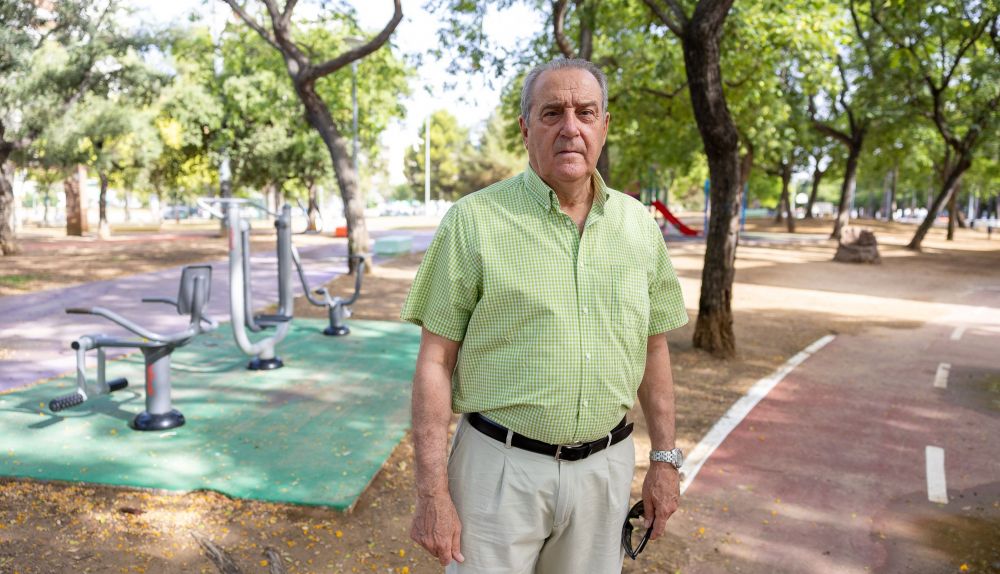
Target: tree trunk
{"x":8,"y":241}
{"x":313,"y":209}
{"x":714,"y":329}
{"x":959,"y":214}
{"x":786,"y":200}
{"x":817,"y":176}
{"x":128,"y":200}
{"x":319,"y":117}
{"x":947,"y":188}
{"x":847,"y":189}
{"x":46,"y":201}
{"x":103,"y":230}
{"x":76,"y":214}
{"x":891,"y":216}
{"x":951,"y":213}
{"x":604,"y":165}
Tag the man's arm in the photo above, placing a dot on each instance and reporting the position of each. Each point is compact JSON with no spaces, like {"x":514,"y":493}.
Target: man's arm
{"x":436,"y":525}
{"x":661,"y":489}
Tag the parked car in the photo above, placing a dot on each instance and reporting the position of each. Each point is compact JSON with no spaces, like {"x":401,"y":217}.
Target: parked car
{"x":177,"y":212}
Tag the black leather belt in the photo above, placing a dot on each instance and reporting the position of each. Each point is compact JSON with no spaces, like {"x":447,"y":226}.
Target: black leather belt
{"x":559,"y":452}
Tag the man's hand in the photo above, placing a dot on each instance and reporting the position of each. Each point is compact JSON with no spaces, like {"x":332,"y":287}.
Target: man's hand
{"x":436,"y":525}
{"x":437,"y":528}
{"x":661,"y":494}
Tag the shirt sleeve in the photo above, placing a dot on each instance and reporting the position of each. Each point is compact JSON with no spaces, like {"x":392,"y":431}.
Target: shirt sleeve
{"x":448,"y":284}
{"x":666,"y":302}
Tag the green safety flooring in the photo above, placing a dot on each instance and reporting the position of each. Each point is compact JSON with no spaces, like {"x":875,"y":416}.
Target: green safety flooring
{"x":314,"y":432}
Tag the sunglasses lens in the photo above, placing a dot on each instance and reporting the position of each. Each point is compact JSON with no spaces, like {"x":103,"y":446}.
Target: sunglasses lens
{"x":635,"y":535}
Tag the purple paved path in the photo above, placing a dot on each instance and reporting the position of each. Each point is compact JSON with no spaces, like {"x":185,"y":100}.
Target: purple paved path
{"x":35,"y":331}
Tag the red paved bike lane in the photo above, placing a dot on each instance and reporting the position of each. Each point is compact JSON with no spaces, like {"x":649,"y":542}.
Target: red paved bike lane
{"x":828,"y":474}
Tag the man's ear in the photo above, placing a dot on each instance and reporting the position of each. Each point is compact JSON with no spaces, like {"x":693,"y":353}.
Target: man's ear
{"x":607,"y":123}
{"x":524,"y":130}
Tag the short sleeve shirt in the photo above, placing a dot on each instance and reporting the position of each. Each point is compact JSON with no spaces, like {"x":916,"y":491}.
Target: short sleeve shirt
{"x":553,"y":323}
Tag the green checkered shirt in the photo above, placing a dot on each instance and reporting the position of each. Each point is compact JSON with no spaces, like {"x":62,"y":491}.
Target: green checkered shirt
{"x":553,"y":323}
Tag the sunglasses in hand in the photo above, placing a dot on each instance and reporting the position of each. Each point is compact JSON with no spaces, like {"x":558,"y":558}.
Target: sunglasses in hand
{"x":628,"y":528}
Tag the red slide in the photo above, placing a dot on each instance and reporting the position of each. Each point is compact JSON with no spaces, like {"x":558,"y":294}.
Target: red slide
{"x":672,"y":219}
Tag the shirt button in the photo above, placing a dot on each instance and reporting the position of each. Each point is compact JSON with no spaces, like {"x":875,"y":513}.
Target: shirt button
{"x":587,"y":356}
{"x":586,"y":404}
{"x":585,"y":310}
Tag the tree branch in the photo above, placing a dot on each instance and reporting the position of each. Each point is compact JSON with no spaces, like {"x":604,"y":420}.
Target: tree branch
{"x":675,"y":26}
{"x":826,"y":129}
{"x":586,"y":29}
{"x":961,"y":52}
{"x":342,"y":60}
{"x":558,"y":22}
{"x":748,"y":77}
{"x":865,"y":40}
{"x":242,"y":13}
{"x":709,"y":14}
{"x":662,"y":94}
{"x":286,"y":15}
{"x":272,"y":11}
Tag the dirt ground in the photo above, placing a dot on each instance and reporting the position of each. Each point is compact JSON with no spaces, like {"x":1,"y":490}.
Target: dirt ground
{"x":786,"y":296}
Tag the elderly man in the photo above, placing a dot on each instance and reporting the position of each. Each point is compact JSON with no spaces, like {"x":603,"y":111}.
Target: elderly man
{"x":544,"y":301}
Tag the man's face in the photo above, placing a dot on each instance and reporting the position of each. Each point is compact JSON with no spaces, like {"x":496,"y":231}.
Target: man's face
{"x":567,"y":127}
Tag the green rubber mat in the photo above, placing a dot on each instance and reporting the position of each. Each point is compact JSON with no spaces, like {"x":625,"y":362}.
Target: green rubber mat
{"x":314,"y":432}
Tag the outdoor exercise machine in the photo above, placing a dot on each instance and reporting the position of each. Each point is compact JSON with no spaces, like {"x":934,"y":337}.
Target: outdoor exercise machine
{"x":240,"y":286}
{"x":337,"y":309}
{"x":192,"y":297}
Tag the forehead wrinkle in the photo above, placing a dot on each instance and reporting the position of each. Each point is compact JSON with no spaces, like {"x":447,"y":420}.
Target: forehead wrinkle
{"x":570,"y":102}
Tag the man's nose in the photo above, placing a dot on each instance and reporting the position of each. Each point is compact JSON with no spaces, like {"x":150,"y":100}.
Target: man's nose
{"x":570,"y":126}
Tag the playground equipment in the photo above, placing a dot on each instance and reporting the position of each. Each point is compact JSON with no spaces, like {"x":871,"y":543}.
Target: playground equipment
{"x":192,"y":297}
{"x":337,"y":309}
{"x":241,"y":292}
{"x":673,"y":219}
{"x":240,"y":288}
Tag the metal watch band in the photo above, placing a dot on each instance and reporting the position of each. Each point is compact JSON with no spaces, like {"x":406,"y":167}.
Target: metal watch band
{"x":674,"y":457}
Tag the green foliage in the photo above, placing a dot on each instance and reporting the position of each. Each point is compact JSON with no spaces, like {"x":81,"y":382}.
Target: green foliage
{"x":235,"y":100}
{"x":459,"y":167}
{"x":450,"y":147}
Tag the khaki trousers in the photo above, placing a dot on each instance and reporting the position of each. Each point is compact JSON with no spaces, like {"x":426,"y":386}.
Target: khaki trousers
{"x":524,"y":512}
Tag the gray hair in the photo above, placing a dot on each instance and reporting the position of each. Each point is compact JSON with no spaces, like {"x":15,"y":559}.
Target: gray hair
{"x":561,"y":64}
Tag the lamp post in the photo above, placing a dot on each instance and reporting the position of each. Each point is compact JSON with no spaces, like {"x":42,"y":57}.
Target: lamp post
{"x":427,"y":164}
{"x":354,"y":42}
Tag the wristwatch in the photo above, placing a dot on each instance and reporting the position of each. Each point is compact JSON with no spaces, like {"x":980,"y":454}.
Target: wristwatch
{"x":673,"y":456}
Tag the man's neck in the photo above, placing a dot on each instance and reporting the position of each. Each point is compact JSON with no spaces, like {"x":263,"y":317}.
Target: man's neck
{"x":575,"y":195}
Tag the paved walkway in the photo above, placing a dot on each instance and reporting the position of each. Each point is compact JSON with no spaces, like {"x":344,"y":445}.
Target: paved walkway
{"x":36,"y":332}
{"x":836,"y":469}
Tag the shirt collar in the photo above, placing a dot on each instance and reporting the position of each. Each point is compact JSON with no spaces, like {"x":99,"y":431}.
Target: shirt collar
{"x":547,"y":198}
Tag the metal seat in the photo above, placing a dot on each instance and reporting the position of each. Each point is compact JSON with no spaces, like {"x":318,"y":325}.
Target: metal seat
{"x":192,"y":296}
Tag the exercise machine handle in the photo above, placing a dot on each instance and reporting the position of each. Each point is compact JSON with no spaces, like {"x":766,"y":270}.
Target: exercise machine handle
{"x":61,"y":403}
{"x":166,"y":300}
{"x":359,"y":271}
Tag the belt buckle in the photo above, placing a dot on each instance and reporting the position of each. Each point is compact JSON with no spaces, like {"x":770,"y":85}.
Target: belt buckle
{"x":575,"y":448}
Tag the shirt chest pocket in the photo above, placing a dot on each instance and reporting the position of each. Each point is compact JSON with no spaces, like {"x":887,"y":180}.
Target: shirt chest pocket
{"x":622,"y":292}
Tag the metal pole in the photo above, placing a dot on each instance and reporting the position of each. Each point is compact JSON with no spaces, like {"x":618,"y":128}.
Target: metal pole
{"x":427,"y":165}
{"x":743,"y":207}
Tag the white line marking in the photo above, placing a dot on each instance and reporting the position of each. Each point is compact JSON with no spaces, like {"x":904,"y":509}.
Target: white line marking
{"x":937,"y":490}
{"x":740,"y":409}
{"x":941,"y":377}
{"x":956,"y":335}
